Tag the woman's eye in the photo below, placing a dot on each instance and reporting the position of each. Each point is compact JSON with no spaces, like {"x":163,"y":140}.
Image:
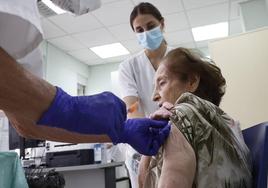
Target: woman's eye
{"x":140,"y":30}
{"x":162,"y":83}
{"x":151,"y":27}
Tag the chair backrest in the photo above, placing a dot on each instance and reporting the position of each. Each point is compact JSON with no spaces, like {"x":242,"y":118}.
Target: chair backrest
{"x":256,"y":138}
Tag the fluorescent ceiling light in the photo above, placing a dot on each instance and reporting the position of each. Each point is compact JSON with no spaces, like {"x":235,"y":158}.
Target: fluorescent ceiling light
{"x":110,"y":50}
{"x":53,"y":7}
{"x":210,"y":31}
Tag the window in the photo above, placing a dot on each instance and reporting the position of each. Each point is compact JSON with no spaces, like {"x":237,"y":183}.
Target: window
{"x":81,"y":85}
{"x":81,"y":90}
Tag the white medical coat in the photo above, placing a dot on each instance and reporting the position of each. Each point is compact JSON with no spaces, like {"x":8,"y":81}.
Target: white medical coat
{"x":21,"y":32}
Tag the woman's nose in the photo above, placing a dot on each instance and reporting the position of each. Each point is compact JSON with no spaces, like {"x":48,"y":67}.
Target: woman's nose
{"x":155,"y":97}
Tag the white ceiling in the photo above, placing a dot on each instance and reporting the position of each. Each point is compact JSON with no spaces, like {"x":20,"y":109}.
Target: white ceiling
{"x":110,"y":24}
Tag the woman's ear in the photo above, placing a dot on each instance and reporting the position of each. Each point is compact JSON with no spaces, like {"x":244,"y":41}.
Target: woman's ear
{"x":193,"y":82}
{"x":162,"y":22}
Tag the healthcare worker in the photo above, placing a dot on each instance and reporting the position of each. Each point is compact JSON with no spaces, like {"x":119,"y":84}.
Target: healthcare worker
{"x":136,"y":74}
{"x":39,"y":110}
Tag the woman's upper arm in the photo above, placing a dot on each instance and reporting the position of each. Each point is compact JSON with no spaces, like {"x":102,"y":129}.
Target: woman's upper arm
{"x":179,"y":162}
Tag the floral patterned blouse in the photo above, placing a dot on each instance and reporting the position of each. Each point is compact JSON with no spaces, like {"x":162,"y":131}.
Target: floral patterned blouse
{"x":222,"y":157}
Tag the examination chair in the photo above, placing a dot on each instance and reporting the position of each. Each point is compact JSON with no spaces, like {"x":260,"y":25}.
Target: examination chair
{"x":256,"y":138}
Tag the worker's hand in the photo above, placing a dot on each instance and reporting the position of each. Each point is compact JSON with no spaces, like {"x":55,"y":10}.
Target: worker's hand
{"x":103,"y":113}
{"x":144,"y":135}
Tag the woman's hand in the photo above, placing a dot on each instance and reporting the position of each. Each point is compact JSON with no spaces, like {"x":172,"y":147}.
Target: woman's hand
{"x":163,"y":112}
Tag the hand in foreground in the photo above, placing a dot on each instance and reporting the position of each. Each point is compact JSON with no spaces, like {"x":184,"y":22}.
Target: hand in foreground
{"x":103,"y":113}
{"x":144,"y":135}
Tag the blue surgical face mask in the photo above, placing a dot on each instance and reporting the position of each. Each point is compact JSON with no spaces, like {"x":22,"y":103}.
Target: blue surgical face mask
{"x":151,"y":39}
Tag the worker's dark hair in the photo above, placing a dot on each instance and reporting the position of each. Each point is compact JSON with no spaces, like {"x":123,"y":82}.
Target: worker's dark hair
{"x":145,"y":8}
{"x":184,"y":63}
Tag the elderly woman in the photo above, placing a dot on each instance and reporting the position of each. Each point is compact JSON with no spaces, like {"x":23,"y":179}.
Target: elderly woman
{"x":205,"y":148}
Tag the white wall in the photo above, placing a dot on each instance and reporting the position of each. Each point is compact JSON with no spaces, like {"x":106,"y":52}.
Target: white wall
{"x":100,"y":78}
{"x":243,"y":60}
{"x":63,"y":70}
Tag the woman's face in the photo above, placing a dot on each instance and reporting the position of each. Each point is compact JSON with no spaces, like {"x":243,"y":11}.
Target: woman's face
{"x":168,"y":88}
{"x":146,"y":22}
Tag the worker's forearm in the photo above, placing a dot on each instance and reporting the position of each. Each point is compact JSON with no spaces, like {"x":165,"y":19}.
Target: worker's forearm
{"x":60,"y":135}
{"x":24,"y":98}
{"x":21,"y":92}
{"x":135,"y":115}
{"x":132,"y":104}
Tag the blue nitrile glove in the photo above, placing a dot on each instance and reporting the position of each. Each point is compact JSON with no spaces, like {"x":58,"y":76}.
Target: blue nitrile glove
{"x":145,"y":135}
{"x":103,"y":113}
